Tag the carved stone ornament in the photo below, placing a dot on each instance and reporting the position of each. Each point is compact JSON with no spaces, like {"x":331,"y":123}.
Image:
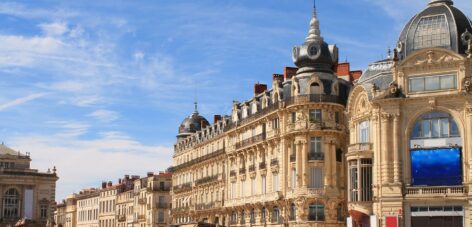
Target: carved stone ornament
{"x":467,"y":84}
{"x":466,"y":38}
{"x":432,"y":57}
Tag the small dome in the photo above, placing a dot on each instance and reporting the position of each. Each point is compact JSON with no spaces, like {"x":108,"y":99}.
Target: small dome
{"x":193,"y":123}
{"x":440,"y":25}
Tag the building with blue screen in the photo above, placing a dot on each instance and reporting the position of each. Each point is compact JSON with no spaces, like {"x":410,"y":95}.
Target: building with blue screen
{"x":410,"y":123}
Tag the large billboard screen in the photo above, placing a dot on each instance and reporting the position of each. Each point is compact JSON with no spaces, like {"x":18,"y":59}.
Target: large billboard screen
{"x":436,"y":167}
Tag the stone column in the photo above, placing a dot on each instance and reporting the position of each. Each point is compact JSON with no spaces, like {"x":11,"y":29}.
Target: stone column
{"x":327,"y":162}
{"x":385,"y":147}
{"x":304,"y":152}
{"x":299,"y":155}
{"x":333,"y":165}
{"x":396,"y":150}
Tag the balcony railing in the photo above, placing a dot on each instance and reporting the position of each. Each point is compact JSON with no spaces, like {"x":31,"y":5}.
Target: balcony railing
{"x":293,"y":158}
{"x":199,"y":159}
{"x":242,"y":170}
{"x":163,"y":205}
{"x":182,"y":187}
{"x":158,"y":189}
{"x":142,"y":201}
{"x":435,"y":191}
{"x":314,"y":98}
{"x":206,"y":180}
{"x":274,"y":162}
{"x":252,"y":140}
{"x":251,"y":117}
{"x":360,"y":147}
{"x":318,"y":156}
{"x":232,"y":173}
{"x":262,"y":165}
{"x":252,"y":168}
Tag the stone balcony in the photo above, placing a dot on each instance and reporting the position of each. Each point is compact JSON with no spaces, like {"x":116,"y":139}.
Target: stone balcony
{"x":209,"y":179}
{"x":437,"y":191}
{"x":262,"y":198}
{"x":310,"y":192}
{"x":182,"y":187}
{"x":360,"y":147}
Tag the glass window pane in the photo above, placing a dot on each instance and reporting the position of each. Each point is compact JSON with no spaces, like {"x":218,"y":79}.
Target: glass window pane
{"x":426,"y":128}
{"x":444,"y":127}
{"x":417,"y":84}
{"x":435,"y":128}
{"x":432,"y":83}
{"x":454,"y":129}
{"x":448,"y":82}
{"x":417,"y":132}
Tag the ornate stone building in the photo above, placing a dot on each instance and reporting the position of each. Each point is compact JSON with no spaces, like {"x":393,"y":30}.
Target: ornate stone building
{"x":88,"y":206}
{"x":25,"y":193}
{"x":410,"y":119}
{"x":278,"y":159}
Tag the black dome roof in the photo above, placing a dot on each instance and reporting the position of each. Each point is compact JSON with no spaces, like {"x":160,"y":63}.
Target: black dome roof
{"x":439,"y":25}
{"x":192,"y":124}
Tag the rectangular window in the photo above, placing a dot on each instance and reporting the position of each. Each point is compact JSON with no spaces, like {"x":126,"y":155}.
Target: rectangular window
{"x":315,"y":116}
{"x":275,"y":182}
{"x":432,"y":83}
{"x":366,"y":179}
{"x":336,"y":117}
{"x":353,"y":185}
{"x":316,"y":178}
{"x":363,"y":132}
{"x":263,"y":184}
{"x":294,"y":117}
{"x":275,"y":123}
{"x":316,"y":152}
{"x":316,"y":213}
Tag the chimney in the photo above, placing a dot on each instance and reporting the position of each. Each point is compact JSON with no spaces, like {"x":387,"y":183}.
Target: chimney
{"x":119,"y":180}
{"x":289,"y":72}
{"x":109,"y":184}
{"x":355,"y":75}
{"x":259,"y":88}
{"x":150,"y":174}
{"x":343,"y":69}
{"x":203,"y":124}
{"x":278,"y":77}
{"x":216,"y":118}
{"x":104,"y":184}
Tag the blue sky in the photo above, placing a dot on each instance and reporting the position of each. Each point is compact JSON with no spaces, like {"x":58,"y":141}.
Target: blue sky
{"x":98,"y":88}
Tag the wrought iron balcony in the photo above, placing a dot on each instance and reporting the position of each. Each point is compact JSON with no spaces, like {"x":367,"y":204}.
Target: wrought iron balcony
{"x":242,"y":170}
{"x":262,"y":165}
{"x":293,"y":158}
{"x":360,"y":147}
{"x":274,"y":162}
{"x":205,"y":180}
{"x":250,"y":141}
{"x":182,"y":187}
{"x":252,"y":168}
{"x":232,"y":173}
{"x":318,"y":156}
{"x":318,"y":98}
{"x":199,"y":159}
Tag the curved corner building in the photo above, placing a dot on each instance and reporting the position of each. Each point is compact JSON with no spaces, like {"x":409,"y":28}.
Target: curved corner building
{"x":277,"y":159}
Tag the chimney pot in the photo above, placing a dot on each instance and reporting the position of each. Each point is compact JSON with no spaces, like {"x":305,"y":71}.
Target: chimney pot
{"x":150,"y":174}
{"x":216,"y":118}
{"x":289,"y":72}
{"x":104,"y":184}
{"x":259,"y":88}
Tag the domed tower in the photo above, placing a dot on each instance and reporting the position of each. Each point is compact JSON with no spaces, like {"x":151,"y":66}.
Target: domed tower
{"x":316,"y":60}
{"x":191,"y":124}
{"x":440,"y":25}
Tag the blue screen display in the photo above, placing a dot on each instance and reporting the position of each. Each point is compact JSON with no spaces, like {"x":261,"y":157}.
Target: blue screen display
{"x":436,"y":167}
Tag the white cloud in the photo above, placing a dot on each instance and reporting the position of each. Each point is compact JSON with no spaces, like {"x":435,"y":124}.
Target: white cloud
{"x":21,"y":100}
{"x":19,"y":10}
{"x":105,"y":115}
{"x":84,"y":163}
{"x":54,"y":29}
{"x":70,"y":129}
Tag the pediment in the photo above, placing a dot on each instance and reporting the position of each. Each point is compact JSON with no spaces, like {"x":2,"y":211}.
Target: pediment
{"x":431,"y":57}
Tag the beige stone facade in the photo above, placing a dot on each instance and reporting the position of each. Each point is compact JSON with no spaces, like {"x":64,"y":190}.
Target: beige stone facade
{"x":132,"y":202}
{"x":25,"y":193}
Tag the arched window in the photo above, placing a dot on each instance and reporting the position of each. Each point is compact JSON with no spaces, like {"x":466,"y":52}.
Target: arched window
{"x":315,"y":89}
{"x":11,"y":204}
{"x":432,"y":31}
{"x":263,"y":215}
{"x":243,"y":217}
{"x":435,"y":125}
{"x":253,"y":216}
{"x":275,"y":215}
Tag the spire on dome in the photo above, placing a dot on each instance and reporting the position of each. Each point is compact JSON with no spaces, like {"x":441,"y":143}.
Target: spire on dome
{"x":196,"y":107}
{"x":314,"y":34}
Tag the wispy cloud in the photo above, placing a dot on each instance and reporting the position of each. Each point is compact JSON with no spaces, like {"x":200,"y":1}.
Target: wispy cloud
{"x":105,"y":115}
{"x":21,"y":100}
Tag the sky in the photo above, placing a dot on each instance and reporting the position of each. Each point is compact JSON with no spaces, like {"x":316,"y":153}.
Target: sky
{"x":99,"y":88}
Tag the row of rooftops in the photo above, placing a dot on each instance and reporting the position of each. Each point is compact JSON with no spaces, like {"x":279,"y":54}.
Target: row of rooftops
{"x":192,"y":137}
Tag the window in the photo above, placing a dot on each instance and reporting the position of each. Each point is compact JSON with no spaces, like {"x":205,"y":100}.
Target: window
{"x":316,"y":178}
{"x":243,"y":217}
{"x":234,"y":217}
{"x":360,"y":186}
{"x":44,"y":211}
{"x":316,"y":212}
{"x":275,"y":123}
{"x":315,"y":89}
{"x":336,"y":117}
{"x":435,"y":125}
{"x":432,"y":32}
{"x":432,"y":83}
{"x":340,"y":212}
{"x":339,"y":155}
{"x":353,"y":184}
{"x":263,"y":215}
{"x":275,"y":215}
{"x":293,"y":212}
{"x":316,"y":152}
{"x":11,"y":204}
{"x":263,"y":184}
{"x":293,"y":179}
{"x":275,"y":182}
{"x":315,"y":116}
{"x":294,"y":117}
{"x":363,"y":132}
{"x":160,"y":216}
{"x":253,"y":216}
